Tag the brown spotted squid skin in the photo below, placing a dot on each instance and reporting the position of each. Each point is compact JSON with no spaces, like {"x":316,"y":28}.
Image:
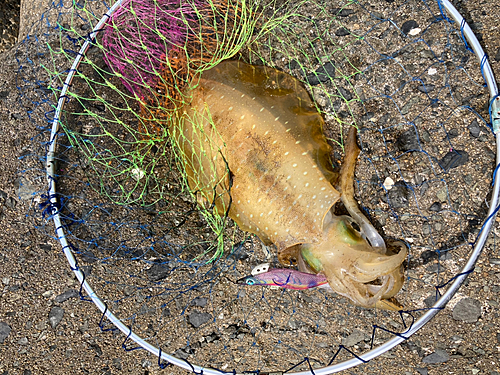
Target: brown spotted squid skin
{"x":252,"y":145}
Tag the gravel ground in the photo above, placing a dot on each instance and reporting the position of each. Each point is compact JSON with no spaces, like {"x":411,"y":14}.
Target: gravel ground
{"x":46,"y":328}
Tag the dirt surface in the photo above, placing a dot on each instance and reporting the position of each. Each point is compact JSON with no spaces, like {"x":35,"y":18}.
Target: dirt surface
{"x":35,"y":274}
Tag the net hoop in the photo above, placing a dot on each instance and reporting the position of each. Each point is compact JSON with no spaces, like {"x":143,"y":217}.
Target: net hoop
{"x":56,"y":129}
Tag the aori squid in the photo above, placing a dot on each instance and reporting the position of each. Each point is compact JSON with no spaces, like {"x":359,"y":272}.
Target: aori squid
{"x":253,"y":147}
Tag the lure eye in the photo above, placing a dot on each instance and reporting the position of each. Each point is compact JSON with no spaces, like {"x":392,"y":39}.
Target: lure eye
{"x":250,"y":281}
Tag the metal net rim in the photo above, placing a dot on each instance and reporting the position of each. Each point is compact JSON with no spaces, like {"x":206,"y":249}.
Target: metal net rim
{"x":456,"y":282}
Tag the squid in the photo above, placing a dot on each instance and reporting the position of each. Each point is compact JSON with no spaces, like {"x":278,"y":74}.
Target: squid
{"x":252,"y":148}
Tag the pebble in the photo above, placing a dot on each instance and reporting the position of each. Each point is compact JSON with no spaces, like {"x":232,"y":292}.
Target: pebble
{"x":442,"y":194}
{"x":323,"y":74}
{"x":117,"y":363}
{"x":467,"y":310}
{"x":345,"y":93}
{"x":97,"y":348}
{"x":428,"y":255}
{"x":157,"y":272}
{"x":426,"y":88}
{"x":342,"y":12}
{"x":408,"y":26}
{"x":495,"y":261}
{"x":497,"y":55}
{"x":474,"y":129}
{"x":199,"y":301}
{"x":398,"y":195}
{"x":422,"y":370}
{"x":388,"y":183}
{"x":48,"y":293}
{"x":354,"y":338}
{"x":197,"y":318}
{"x":410,"y":103}
{"x":408,"y":141}
{"x":72,"y":293}
{"x":342,"y":32}
{"x":439,"y":356}
{"x":4,"y":331}
{"x":23,"y":341}
{"x":435,"y":207}
{"x":415,"y":31}
{"x":430,"y":301}
{"x":454,"y":159}
{"x":55,"y":316}
{"x":453,"y":133}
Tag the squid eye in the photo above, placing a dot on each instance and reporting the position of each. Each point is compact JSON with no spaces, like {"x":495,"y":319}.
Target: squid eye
{"x":250,"y":281}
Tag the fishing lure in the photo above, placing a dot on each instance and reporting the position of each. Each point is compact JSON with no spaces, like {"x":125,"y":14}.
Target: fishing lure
{"x":285,"y":278}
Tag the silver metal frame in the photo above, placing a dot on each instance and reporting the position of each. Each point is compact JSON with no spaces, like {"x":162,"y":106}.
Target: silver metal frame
{"x":61,"y":236}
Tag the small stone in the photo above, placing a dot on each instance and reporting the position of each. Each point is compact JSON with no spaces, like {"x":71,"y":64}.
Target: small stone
{"x":408,"y":141}
{"x":388,"y":183}
{"x":324,"y":73}
{"x":424,"y":188}
{"x":23,"y":341}
{"x":157,"y":272}
{"x":55,"y":316}
{"x":439,"y":356}
{"x":10,"y":203}
{"x":398,"y":195}
{"x":342,"y":12}
{"x":84,"y":327}
{"x":497,"y":55}
{"x":117,"y":363}
{"x":495,"y":261}
{"x":405,"y":109}
{"x":467,"y":310}
{"x":430,"y":301}
{"x":367,"y":116}
{"x":426,"y":88}
{"x":408,"y":26}
{"x":97,"y":349}
{"x":72,"y":293}
{"x":342,"y":32}
{"x":146,"y":363}
{"x":425,"y":135}
{"x":183,"y":353}
{"x":354,"y":338}
{"x":197,"y":318}
{"x":415,"y":31}
{"x":428,"y":255}
{"x":45,"y":247}
{"x":454,"y":159}
{"x":435,"y":207}
{"x":345,"y":93}
{"x":442,"y":195}
{"x":48,"y":293}
{"x":422,"y":370}
{"x":199,"y":301}
{"x":5,"y":280}
{"x":453,"y":133}
{"x":474,"y":129}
